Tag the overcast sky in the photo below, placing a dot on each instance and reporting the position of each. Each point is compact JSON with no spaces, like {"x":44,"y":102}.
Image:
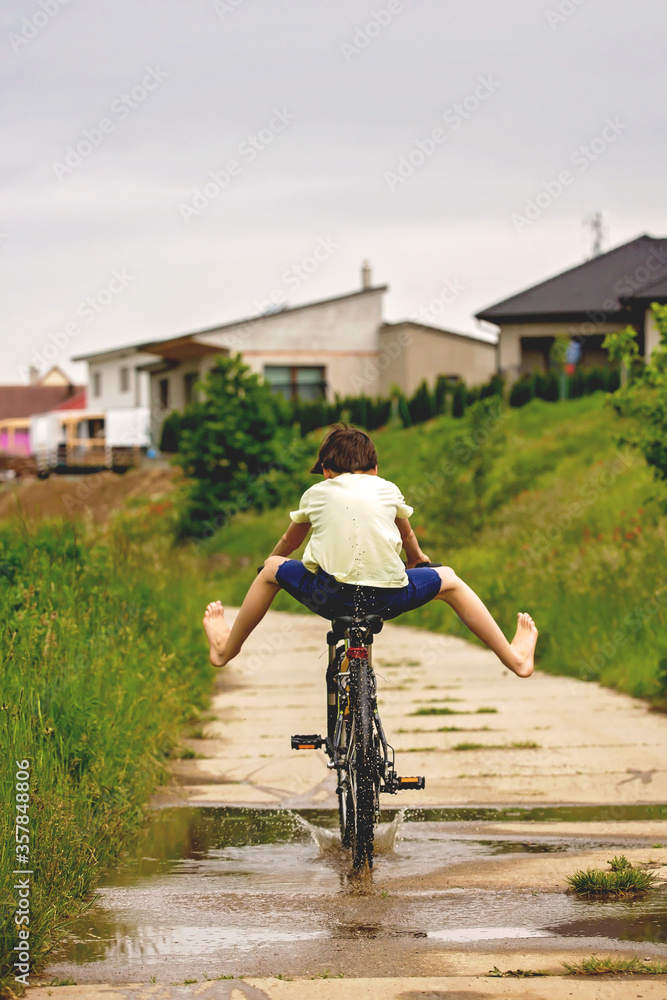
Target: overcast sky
{"x":317,"y":117}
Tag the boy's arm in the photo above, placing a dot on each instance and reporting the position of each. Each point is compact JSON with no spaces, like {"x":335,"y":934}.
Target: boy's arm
{"x":292,"y":538}
{"x":410,"y":544}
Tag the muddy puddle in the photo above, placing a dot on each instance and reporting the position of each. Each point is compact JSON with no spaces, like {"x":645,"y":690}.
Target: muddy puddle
{"x":212,"y":891}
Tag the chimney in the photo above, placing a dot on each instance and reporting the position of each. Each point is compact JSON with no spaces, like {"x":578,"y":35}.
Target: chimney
{"x":366,"y":275}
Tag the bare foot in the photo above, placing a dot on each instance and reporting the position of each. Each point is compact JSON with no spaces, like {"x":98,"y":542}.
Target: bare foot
{"x":523,"y":645}
{"x":217,"y":631}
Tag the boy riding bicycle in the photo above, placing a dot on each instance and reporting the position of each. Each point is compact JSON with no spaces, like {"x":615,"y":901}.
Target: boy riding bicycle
{"x":352,"y":562}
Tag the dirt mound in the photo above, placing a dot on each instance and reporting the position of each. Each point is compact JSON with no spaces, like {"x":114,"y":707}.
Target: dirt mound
{"x":97,"y":495}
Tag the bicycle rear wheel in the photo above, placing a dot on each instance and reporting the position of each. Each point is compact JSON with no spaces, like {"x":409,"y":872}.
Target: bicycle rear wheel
{"x":364,"y":773}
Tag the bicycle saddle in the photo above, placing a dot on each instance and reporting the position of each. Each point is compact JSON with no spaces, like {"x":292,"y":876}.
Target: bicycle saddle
{"x":369,"y":623}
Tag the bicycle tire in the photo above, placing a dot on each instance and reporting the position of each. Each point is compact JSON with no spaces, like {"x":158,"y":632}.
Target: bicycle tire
{"x":364,"y":775}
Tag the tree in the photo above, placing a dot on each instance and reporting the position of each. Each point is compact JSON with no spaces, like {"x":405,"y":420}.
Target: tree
{"x":236,"y":447}
{"x":644,"y":394}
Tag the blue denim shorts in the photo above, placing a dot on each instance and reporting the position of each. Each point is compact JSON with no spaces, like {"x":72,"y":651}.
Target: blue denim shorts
{"x":322,"y":593}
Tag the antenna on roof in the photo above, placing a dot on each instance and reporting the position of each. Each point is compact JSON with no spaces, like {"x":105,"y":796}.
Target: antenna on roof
{"x":595,"y":223}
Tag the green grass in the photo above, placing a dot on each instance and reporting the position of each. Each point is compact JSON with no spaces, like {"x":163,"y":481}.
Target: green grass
{"x":517,"y":745}
{"x":594,"y":882}
{"x":570,"y":527}
{"x":595,"y":966}
{"x":433,"y":710}
{"x":619,"y":863}
{"x":104,"y":664}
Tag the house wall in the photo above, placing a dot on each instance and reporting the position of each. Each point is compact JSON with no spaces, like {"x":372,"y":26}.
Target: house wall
{"x":176,"y":380}
{"x":340,"y":336}
{"x":109,"y":371}
{"x":514,"y":361}
{"x":410,"y":354}
{"x":342,"y":370}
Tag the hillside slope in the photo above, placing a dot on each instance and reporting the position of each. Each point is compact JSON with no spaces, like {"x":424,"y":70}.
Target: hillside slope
{"x":538,"y":509}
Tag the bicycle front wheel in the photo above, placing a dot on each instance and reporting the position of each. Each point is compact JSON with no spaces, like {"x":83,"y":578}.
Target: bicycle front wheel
{"x":364,"y":768}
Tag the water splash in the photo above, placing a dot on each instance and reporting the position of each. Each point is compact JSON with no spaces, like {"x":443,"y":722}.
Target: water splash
{"x":328,"y":841}
{"x":386,"y":834}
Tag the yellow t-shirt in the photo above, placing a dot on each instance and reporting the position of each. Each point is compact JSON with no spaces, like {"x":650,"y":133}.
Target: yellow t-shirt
{"x":354,"y":537}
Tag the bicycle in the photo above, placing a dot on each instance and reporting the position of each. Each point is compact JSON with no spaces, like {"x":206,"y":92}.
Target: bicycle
{"x":355,"y":742}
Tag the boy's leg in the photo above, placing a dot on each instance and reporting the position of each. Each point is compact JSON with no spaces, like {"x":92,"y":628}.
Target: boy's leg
{"x":225,"y":642}
{"x":517,"y":655}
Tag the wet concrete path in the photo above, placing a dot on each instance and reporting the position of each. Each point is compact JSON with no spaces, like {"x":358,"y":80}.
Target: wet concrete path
{"x":219,"y":887}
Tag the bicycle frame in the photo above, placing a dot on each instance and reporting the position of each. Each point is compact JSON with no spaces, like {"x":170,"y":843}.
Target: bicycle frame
{"x":364,"y":760}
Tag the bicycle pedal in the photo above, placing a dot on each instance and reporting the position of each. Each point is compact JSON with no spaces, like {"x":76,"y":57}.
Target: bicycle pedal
{"x":307,"y":742}
{"x":415,"y":782}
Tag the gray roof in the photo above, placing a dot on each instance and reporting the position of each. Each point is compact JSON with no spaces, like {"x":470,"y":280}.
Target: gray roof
{"x":632,"y":273}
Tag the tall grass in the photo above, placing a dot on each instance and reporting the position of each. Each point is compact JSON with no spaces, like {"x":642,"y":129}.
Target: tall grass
{"x":102,"y":663}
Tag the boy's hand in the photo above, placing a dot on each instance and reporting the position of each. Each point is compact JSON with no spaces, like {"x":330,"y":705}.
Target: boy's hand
{"x":414,"y":560}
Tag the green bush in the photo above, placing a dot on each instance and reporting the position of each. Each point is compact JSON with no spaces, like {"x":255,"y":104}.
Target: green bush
{"x":237,"y":449}
{"x":422,"y":405}
{"x":170,"y":434}
{"x":546,"y":387}
{"x":459,"y":400}
{"x":522,"y":391}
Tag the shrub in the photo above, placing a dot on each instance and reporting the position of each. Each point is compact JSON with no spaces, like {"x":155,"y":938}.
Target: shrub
{"x":522,"y":391}
{"x":236,"y":448}
{"x":459,"y":399}
{"x":422,"y":405}
{"x":171,"y":433}
{"x":620,"y":882}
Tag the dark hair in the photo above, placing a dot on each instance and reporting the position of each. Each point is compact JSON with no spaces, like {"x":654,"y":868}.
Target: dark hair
{"x":346,"y":449}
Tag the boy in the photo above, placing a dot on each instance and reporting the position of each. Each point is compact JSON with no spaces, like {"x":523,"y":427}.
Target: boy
{"x":352,"y":562}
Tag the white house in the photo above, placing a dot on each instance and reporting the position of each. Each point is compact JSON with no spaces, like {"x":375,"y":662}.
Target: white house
{"x":336,"y":346}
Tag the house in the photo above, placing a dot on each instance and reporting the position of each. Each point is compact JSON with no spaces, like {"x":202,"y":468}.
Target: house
{"x":19,"y":402}
{"x":335,"y":346}
{"x":600,"y":296}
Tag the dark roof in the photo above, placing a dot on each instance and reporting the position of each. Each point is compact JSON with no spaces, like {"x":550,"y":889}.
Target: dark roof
{"x":26,"y":400}
{"x":608,"y":283}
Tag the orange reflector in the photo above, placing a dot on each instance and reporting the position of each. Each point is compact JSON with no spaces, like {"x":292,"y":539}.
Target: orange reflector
{"x":408,"y":779}
{"x":306,"y":746}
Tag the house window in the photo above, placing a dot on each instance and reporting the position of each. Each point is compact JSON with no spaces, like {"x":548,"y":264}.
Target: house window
{"x":97,"y":383}
{"x":163,"y":392}
{"x":296,"y":381}
{"x":125,"y":379}
{"x":189,"y":382}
